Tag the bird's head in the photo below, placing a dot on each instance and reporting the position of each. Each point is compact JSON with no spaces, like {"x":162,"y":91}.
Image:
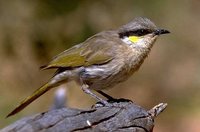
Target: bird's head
{"x":140,"y":32}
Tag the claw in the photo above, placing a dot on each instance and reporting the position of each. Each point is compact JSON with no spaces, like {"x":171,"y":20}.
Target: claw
{"x":119,"y":100}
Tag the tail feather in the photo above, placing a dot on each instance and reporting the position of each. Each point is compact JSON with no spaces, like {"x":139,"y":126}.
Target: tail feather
{"x":30,"y":99}
{"x":43,"y":67}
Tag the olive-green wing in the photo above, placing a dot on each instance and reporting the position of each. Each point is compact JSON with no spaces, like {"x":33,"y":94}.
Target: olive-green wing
{"x":88,"y":53}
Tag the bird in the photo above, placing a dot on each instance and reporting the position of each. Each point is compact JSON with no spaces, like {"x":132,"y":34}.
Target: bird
{"x":101,"y":61}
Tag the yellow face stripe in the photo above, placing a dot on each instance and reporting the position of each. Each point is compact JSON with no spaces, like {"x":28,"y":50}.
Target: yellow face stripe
{"x":134,"y":39}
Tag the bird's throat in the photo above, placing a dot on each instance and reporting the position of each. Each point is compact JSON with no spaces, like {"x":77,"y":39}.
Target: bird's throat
{"x":131,"y":40}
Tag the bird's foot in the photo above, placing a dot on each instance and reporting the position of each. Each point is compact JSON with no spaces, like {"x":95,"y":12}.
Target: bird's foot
{"x":113,"y":100}
{"x":111,"y":103}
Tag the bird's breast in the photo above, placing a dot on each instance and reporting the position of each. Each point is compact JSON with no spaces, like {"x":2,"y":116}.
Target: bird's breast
{"x":106,"y":75}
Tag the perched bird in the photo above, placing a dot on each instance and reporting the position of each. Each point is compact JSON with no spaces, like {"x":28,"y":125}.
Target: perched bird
{"x":102,"y":60}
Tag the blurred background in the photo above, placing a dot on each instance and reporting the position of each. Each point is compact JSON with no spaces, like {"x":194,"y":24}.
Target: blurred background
{"x":32,"y":32}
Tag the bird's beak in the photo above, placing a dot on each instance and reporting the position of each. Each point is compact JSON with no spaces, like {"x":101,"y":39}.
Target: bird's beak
{"x":161,"y":31}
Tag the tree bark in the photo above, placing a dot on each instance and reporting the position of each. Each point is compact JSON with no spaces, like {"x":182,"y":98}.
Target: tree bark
{"x":122,"y":116}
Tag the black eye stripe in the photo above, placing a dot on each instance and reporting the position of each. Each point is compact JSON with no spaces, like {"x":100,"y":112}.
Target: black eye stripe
{"x":139,"y":32}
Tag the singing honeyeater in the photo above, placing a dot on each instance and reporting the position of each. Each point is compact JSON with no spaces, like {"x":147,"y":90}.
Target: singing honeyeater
{"x":101,"y":61}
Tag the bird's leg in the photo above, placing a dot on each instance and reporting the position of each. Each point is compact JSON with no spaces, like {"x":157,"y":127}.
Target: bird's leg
{"x":105,"y":95}
{"x":111,"y":99}
{"x":85,"y":89}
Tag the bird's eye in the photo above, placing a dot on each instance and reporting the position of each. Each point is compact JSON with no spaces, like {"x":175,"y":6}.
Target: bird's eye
{"x":141,"y":32}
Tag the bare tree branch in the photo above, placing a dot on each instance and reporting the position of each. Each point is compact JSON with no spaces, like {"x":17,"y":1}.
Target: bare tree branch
{"x":123,"y":116}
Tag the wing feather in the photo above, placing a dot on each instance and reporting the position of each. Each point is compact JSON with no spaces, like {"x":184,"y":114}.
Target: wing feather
{"x":93,"y":51}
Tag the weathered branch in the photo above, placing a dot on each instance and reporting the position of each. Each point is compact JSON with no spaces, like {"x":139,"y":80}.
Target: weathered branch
{"x":123,"y":116}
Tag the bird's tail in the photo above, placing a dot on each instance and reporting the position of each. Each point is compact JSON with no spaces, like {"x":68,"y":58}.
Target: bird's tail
{"x":31,"y":98}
